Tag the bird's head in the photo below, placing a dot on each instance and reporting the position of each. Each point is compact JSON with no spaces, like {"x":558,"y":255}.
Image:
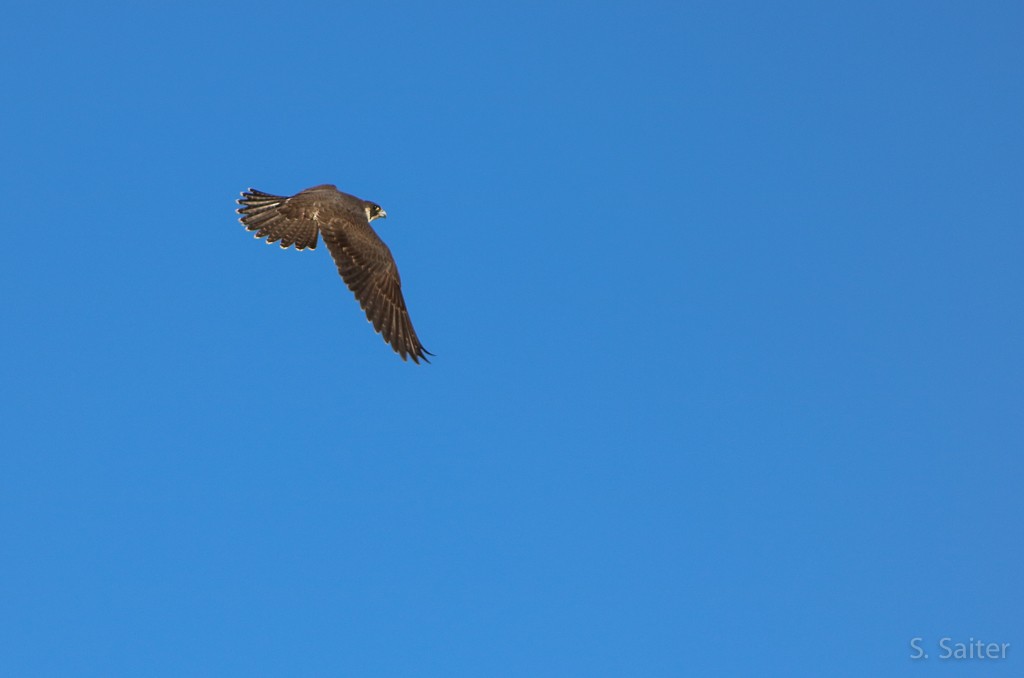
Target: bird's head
{"x":375,"y":211}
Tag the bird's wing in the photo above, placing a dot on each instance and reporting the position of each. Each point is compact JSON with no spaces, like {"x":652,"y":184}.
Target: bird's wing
{"x":292,"y":221}
{"x":367,"y":267}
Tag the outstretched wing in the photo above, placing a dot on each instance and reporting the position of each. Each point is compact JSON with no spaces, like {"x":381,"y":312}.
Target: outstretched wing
{"x":292,"y":221}
{"x":367,"y":267}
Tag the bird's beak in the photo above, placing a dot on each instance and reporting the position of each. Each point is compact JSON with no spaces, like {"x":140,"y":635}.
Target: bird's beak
{"x":382,"y":215}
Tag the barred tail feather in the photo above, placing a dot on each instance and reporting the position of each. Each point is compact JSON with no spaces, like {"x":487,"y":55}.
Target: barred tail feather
{"x":261,"y":212}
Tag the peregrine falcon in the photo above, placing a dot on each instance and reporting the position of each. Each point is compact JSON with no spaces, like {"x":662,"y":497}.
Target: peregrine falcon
{"x":363,"y":260}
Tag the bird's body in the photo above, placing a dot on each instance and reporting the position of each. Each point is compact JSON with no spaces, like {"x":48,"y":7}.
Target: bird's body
{"x":363,"y":260}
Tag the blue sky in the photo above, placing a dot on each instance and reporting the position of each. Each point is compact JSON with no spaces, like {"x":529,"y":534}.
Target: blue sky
{"x":725,"y":299}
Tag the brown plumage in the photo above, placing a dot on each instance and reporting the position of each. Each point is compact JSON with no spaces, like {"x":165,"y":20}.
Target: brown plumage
{"x":363,"y":260}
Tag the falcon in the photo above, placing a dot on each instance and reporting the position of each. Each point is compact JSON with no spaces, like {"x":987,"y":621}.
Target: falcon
{"x":363,"y":260}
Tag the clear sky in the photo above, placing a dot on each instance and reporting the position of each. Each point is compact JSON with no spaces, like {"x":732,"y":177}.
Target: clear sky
{"x":725,"y":299}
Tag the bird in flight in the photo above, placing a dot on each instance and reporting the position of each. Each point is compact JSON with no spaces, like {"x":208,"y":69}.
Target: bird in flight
{"x":363,"y":260}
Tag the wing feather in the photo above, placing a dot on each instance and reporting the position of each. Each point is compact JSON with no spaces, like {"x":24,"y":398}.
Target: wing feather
{"x":368,"y":269}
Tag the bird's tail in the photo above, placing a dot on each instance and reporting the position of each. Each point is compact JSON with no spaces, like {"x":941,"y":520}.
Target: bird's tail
{"x":256,"y":202}
{"x":261,"y":213}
